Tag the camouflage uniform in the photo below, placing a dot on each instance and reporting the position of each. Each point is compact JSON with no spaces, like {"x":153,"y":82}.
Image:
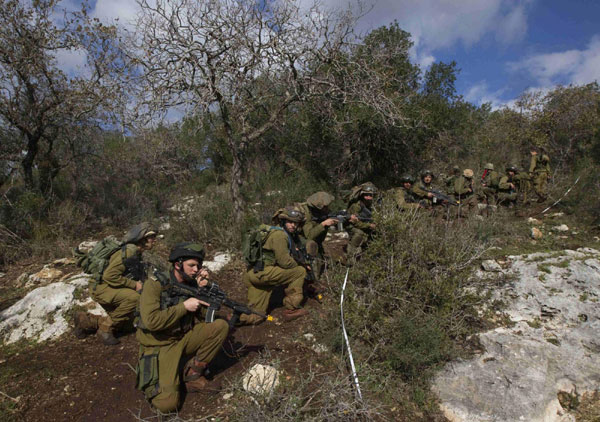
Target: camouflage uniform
{"x":168,"y":336}
{"x":539,"y":169}
{"x":360,"y":231}
{"x":489,"y":183}
{"x":404,"y":198}
{"x":421,"y":190}
{"x":463,"y":192}
{"x":507,"y":195}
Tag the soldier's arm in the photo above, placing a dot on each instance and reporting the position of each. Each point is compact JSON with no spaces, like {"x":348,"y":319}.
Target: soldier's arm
{"x":354,"y":209}
{"x":278,"y":243}
{"x":154,"y":318}
{"x":504,"y":184}
{"x":312,"y":230}
{"x":418,"y":191}
{"x":113,"y":274}
{"x":533,"y":163}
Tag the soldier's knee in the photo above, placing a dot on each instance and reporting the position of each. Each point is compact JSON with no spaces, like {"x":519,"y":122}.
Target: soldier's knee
{"x":312,"y":248}
{"x":220,"y":328}
{"x":166,"y":403}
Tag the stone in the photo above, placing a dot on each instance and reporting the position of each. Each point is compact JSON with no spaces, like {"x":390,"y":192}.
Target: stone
{"x":261,"y":380}
{"x":310,"y":337}
{"x":227,"y":396}
{"x":2,"y":274}
{"x":534,"y":221}
{"x":22,"y":280}
{"x":491,"y":266}
{"x":164,"y":227}
{"x":534,"y":369}
{"x":46,"y":275}
{"x":319,"y":348}
{"x":561,"y":228}
{"x":218,"y":262}
{"x":536,"y":233}
{"x":556,"y":215}
{"x":87,"y":246}
{"x":64,"y":261}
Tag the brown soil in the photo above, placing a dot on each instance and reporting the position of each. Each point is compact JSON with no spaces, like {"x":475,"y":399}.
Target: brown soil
{"x":84,"y":380}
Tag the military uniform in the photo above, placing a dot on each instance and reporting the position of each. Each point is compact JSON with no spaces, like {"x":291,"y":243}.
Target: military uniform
{"x":168,"y":335}
{"x":280,"y":269}
{"x":404,"y":198}
{"x":360,"y":231}
{"x":506,"y":194}
{"x":489,"y":183}
{"x":463,"y":192}
{"x":539,"y":169}
{"x":116,"y":293}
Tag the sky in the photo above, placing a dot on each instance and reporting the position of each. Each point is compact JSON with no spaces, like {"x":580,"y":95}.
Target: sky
{"x":502,"y":47}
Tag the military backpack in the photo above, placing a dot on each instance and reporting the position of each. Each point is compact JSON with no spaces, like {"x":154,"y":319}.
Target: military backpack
{"x":252,"y":245}
{"x":95,"y":261}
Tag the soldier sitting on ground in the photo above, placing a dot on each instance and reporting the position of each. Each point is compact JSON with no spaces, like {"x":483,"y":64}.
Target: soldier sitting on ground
{"x":464,"y":193}
{"x":403,"y":196}
{"x":279,"y":268}
{"x":507,"y":191}
{"x":360,"y":208}
{"x":489,"y":183}
{"x":117,"y":291}
{"x":449,"y":181}
{"x":171,"y":332}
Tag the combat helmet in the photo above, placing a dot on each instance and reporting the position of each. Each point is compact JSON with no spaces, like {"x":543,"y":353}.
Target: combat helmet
{"x":407,"y":178}
{"x":427,"y":173}
{"x":368,"y":188}
{"x":289,"y":213}
{"x":320,"y":200}
{"x":512,"y":167}
{"x":139,"y":232}
{"x":488,"y":166}
{"x":186,"y":250}
{"x":468,"y":173}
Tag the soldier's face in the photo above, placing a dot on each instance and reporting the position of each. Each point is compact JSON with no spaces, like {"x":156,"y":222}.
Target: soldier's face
{"x":291,"y":226}
{"x":149,"y":244}
{"x":190,"y":267}
{"x":407,"y":185}
{"x":427,"y":179}
{"x":368,"y":197}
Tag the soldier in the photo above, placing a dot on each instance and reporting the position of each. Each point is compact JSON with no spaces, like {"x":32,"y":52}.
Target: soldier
{"x":117,"y":292}
{"x":489,"y":182}
{"x":403,"y":195}
{"x":422,"y":190}
{"x":314,"y":230}
{"x":170,"y":332}
{"x":361,"y":223}
{"x":507,"y":191}
{"x":280,"y":269}
{"x":463,"y":192}
{"x":449,"y":182}
{"x":539,"y":171}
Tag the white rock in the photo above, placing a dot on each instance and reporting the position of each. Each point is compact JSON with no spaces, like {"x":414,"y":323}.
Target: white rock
{"x":556,"y":215}
{"x":2,"y":275}
{"x":22,"y":280}
{"x":227,"y":396}
{"x":534,"y":221}
{"x":561,"y":228}
{"x":309,"y":337}
{"x":87,"y":246}
{"x":46,"y":275}
{"x":219,"y":261}
{"x":491,"y":265}
{"x":319,"y":348}
{"x":261,"y":380}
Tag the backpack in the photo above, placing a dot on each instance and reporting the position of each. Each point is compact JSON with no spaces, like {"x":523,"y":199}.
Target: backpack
{"x":95,"y":261}
{"x":252,"y":245}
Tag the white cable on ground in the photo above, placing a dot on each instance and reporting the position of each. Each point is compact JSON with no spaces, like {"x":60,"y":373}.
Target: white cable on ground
{"x":561,"y":198}
{"x":354,"y":374}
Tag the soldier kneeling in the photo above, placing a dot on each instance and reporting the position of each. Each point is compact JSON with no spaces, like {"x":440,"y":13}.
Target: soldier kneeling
{"x":170,"y":332}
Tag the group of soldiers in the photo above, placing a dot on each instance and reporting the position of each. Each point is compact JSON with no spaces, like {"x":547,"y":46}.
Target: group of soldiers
{"x":177,"y":343}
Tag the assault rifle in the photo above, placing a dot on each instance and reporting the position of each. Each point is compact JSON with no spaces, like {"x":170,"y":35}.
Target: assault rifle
{"x":440,"y":196}
{"x":342,"y":217}
{"x":216,"y":298}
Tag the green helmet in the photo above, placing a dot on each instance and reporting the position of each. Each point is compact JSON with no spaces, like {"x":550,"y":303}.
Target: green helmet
{"x":139,"y":232}
{"x":187,"y":250}
{"x":512,"y":167}
{"x":427,"y":173}
{"x":407,"y":178}
{"x":320,"y":200}
{"x":489,"y":166}
{"x":290,"y":213}
{"x":368,"y":188}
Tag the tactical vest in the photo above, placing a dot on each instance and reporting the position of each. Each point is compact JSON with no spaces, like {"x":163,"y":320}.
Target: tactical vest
{"x":365,"y":213}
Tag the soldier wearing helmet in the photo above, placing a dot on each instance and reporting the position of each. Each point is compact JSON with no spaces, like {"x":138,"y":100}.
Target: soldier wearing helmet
{"x":169,"y":332}
{"x":314,"y":230}
{"x":507,"y":191}
{"x":360,"y":209}
{"x":464,"y":193}
{"x":422,"y":188}
{"x":539,"y":172}
{"x":489,"y":182}
{"x":449,"y":182}
{"x":403,"y":195}
{"x":117,"y":292}
{"x":280,"y":268}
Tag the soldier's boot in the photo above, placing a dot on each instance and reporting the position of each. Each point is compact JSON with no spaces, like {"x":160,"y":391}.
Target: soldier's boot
{"x":194,"y":379}
{"x":107,"y":337}
{"x":292,"y":314}
{"x":85,"y":324}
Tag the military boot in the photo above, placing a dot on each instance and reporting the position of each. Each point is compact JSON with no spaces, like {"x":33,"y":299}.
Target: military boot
{"x":107,"y":337}
{"x":194,"y":379}
{"x":85,"y":324}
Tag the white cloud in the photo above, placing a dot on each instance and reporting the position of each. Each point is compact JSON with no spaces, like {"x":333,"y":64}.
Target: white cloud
{"x":480,"y":94}
{"x":125,"y":11}
{"x":565,"y":67}
{"x":72,"y":62}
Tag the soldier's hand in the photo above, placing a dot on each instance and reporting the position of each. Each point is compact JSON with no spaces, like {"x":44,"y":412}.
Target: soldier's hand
{"x":372,"y":225}
{"x":429,"y":195}
{"x":202,"y":277}
{"x":192,"y":304}
{"x":533,"y":152}
{"x":329,"y":222}
{"x":138,"y":286}
{"x":353,"y":218}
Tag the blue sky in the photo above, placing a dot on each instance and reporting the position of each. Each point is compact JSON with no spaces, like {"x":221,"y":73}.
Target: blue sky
{"x":503,"y":47}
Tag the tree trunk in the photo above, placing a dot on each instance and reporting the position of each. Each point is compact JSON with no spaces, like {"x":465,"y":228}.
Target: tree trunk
{"x":237,"y":180}
{"x":27,"y":162}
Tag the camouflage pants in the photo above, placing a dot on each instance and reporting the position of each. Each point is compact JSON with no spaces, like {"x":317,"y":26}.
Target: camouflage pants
{"x":261,"y":285}
{"x":490,"y":195}
{"x":506,"y":198}
{"x":540,"y":185}
{"x":317,"y":253}
{"x":118,"y":303}
{"x":203,"y":341}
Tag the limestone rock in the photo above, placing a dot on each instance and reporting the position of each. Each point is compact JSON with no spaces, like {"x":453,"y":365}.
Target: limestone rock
{"x":45,"y":276}
{"x":534,"y":221}
{"x":2,"y":274}
{"x":491,"y":266}
{"x":22,"y":280}
{"x":536,"y":233}
{"x":87,"y":246}
{"x":261,"y":380}
{"x":533,"y":370}
{"x":561,"y":228}
{"x":219,"y":261}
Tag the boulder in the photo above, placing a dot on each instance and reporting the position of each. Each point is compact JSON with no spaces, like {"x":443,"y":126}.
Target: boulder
{"x":534,"y":221}
{"x":536,"y":233}
{"x":45,"y":276}
{"x":218,"y":262}
{"x":261,"y":380}
{"x":561,"y":228}
{"x":491,"y":266}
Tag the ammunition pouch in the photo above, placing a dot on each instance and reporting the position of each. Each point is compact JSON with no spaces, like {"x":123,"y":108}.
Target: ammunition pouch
{"x":147,"y":373}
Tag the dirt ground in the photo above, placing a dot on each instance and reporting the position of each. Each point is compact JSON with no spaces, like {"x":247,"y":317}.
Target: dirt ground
{"x":84,"y":380}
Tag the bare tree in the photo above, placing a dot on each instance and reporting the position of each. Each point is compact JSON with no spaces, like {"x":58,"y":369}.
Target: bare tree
{"x":50,"y":110}
{"x":245,"y":62}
